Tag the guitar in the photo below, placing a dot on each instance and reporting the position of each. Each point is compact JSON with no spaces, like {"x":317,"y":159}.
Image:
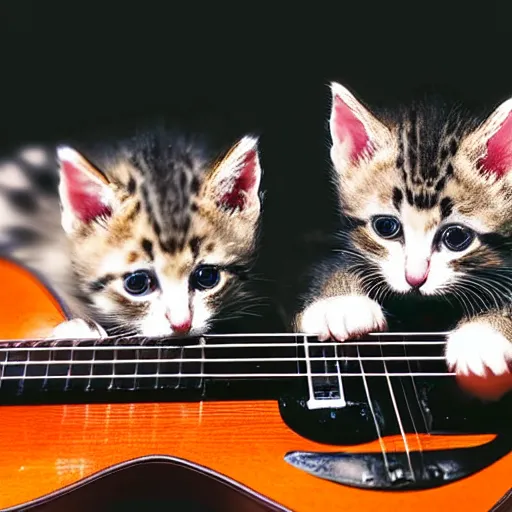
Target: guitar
{"x":237,"y":422}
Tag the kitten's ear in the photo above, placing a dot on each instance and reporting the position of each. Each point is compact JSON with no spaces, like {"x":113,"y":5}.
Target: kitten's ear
{"x":235,"y":181}
{"x":494,"y":141}
{"x":85,"y":193}
{"x":355,"y":131}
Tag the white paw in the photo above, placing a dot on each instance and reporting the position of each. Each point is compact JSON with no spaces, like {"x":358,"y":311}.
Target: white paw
{"x":77,"y":329}
{"x":475,"y":346}
{"x":341,"y":318}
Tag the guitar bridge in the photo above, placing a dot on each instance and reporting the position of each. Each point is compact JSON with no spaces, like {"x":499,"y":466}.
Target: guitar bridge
{"x":400,"y":470}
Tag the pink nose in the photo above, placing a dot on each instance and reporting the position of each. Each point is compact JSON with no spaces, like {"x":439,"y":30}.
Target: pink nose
{"x":417,"y":281}
{"x":182,"y":328}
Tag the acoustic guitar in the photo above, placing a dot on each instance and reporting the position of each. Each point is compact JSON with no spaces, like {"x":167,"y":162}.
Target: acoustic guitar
{"x":238,"y":422}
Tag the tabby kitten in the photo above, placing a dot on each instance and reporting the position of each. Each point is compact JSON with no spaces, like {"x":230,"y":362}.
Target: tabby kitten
{"x":426,"y":197}
{"x":157,"y":233}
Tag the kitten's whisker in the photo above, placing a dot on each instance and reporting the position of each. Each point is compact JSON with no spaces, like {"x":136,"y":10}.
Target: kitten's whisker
{"x":491,"y":291}
{"x":468,"y":293}
{"x":462,"y":301}
{"x":500,"y":283}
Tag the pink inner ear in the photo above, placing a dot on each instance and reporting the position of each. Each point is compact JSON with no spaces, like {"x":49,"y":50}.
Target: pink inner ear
{"x":498,"y":159}
{"x":244,"y":182}
{"x":84,"y":195}
{"x":347,"y":127}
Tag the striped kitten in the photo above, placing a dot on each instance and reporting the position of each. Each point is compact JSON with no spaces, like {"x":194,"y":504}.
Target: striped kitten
{"x":426,"y":198}
{"x":153,"y":235}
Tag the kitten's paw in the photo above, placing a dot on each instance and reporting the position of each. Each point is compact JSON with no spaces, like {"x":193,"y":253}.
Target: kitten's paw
{"x":341,"y":318}
{"x":475,"y":347}
{"x":78,"y":329}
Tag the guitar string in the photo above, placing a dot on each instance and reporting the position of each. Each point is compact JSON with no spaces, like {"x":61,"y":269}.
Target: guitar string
{"x":201,"y":339}
{"x":416,"y":394}
{"x":48,"y":363}
{"x":376,"y":423}
{"x":416,"y":391}
{"x":235,"y":359}
{"x":159,"y":366}
{"x":38,"y":348}
{"x":114,"y":362}
{"x":338,"y":370}
{"x":221,"y":375}
{"x":111,"y":385}
{"x":144,"y":342}
{"x":45,"y":344}
{"x":399,"y":419}
{"x":309,"y":376}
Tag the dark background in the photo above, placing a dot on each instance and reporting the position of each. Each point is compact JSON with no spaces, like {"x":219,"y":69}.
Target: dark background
{"x":70,"y":68}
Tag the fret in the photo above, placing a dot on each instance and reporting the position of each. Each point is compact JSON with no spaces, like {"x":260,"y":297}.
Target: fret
{"x":13,"y":371}
{"x":112,"y":383}
{"x":145,"y":354}
{"x":203,"y":357}
{"x":136,"y":380}
{"x":80,"y":369}
{"x":47,"y":357}
{"x":180,"y":366}
{"x":188,"y":367}
{"x":103,"y":365}
{"x":3,"y":358}
{"x":158,"y":368}
{"x":23,"y":380}
{"x":122,"y":367}
{"x":59,"y":366}
{"x":169,"y":368}
{"x":89,"y":386}
{"x":37,"y":366}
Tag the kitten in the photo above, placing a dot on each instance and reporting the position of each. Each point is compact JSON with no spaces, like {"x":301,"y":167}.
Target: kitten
{"x":157,"y":232}
{"x":426,"y":200}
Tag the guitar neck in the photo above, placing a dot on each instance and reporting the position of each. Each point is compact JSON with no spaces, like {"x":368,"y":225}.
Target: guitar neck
{"x":190,"y":365}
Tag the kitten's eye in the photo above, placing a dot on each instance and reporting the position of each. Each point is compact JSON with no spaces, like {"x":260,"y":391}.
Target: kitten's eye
{"x":457,"y":238}
{"x":387,"y":227}
{"x":205,"y":277}
{"x":140,"y":282}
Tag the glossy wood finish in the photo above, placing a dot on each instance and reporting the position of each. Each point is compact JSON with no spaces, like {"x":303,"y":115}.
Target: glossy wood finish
{"x":45,"y":448}
{"x":28,"y":309}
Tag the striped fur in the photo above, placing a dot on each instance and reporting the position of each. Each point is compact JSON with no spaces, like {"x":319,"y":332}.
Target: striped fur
{"x":430,"y":168}
{"x":169,"y":215}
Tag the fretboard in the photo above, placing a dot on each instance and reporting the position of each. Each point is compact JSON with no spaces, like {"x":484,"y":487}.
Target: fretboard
{"x":172,"y":364}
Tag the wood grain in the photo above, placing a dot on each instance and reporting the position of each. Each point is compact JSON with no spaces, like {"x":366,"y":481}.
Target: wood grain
{"x":45,"y":448}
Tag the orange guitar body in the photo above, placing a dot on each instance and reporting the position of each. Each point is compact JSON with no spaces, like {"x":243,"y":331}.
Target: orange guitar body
{"x":49,"y":449}
{"x":44,"y":449}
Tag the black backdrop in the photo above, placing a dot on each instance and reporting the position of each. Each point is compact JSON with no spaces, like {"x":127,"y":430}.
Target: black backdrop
{"x":69,"y":68}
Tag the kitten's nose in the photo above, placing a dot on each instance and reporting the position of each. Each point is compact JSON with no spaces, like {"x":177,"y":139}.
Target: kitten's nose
{"x":416,"y":271}
{"x":181,"y":326}
{"x":416,"y":280}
